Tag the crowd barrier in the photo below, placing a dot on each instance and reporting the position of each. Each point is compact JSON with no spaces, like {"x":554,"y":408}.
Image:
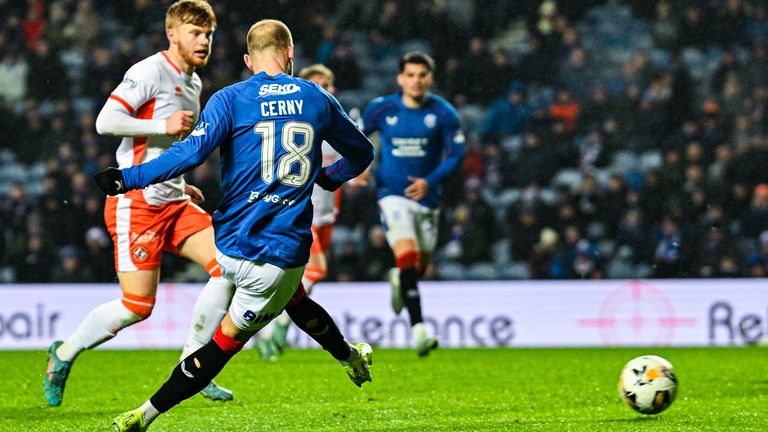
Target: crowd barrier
{"x":462,"y":313}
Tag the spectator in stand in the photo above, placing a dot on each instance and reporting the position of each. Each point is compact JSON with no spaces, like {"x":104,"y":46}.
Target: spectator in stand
{"x":508,"y":115}
{"x":70,"y":268}
{"x":670,"y":257}
{"x":758,"y":261}
{"x":35,"y":262}
{"x":14,"y":70}
{"x":566,"y":109}
{"x":543,"y":254}
{"x":756,"y":220}
{"x":524,"y":232}
{"x":98,"y":257}
{"x":344,"y":65}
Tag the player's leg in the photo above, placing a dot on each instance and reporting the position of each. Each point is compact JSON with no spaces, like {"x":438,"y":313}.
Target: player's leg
{"x":137,"y":260}
{"x":315,"y":321}
{"x":409,"y":229}
{"x":316,"y":270}
{"x":263,"y":291}
{"x":408,"y":260}
{"x":317,"y":266}
{"x":99,"y":326}
{"x":399,"y":222}
{"x":193,"y":238}
{"x":426,"y":233}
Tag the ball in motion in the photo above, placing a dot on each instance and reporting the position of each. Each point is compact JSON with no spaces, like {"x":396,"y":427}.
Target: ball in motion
{"x":648,"y":384}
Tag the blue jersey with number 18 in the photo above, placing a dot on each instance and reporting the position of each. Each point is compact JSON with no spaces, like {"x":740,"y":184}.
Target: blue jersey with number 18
{"x":269,"y":130}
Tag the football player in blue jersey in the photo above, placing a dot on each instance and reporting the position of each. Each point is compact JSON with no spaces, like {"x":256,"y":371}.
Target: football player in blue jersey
{"x":421,"y":144}
{"x":268,"y":129}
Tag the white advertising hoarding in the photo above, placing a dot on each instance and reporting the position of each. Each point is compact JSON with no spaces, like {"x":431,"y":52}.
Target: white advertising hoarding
{"x":463,"y":314}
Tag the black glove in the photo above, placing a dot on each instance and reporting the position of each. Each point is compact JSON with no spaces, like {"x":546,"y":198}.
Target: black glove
{"x":326,"y":183}
{"x":110,"y":181}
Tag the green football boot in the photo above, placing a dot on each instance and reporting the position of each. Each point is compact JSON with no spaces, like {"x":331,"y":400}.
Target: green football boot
{"x":359,"y":369}
{"x":280,"y":336}
{"x":131,"y":421}
{"x":267,"y":349}
{"x":215,"y":392}
{"x":55,"y":376}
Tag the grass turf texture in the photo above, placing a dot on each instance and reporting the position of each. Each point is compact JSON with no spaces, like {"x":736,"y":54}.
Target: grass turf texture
{"x":451,"y":390}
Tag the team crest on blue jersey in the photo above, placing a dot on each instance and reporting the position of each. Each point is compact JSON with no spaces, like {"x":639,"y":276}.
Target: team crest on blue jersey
{"x":430,"y":120}
{"x":391,"y":120}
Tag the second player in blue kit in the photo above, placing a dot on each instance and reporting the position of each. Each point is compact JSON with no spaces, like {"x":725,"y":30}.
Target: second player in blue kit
{"x":421,"y":145}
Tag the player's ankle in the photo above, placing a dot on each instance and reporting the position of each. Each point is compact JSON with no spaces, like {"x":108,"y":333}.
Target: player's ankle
{"x":149,"y":412}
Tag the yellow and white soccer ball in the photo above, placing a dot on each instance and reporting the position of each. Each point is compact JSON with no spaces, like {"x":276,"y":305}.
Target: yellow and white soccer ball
{"x":648,"y":384}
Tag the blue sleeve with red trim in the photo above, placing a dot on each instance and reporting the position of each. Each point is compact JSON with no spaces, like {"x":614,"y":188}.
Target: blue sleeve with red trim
{"x":344,"y":136}
{"x":213,"y":128}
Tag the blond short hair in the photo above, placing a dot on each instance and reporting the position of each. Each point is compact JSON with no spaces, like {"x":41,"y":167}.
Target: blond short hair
{"x":269,"y":34}
{"x":315,"y":70}
{"x":196,"y":12}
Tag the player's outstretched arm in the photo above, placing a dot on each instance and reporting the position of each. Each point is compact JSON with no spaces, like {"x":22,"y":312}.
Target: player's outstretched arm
{"x":351,"y":143}
{"x":181,"y":157}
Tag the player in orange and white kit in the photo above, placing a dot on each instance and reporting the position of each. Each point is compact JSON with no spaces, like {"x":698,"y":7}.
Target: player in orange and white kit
{"x":157,"y":103}
{"x":272,"y":339}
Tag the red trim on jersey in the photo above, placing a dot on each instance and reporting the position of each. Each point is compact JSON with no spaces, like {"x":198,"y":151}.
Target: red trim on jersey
{"x":122,"y":101}
{"x":176,"y":68}
{"x":144,"y":112}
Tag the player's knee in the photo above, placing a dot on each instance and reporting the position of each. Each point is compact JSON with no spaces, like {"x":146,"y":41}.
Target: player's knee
{"x":139,"y":305}
{"x":409,"y":260}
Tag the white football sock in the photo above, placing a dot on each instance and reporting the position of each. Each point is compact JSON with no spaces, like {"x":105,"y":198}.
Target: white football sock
{"x":99,"y":326}
{"x":419,"y":331}
{"x":209,"y":310}
{"x":354,"y":354}
{"x":150,"y":412}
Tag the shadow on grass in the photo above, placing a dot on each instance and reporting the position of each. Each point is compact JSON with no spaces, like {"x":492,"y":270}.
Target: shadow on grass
{"x":644,"y":419}
{"x":48,"y":413}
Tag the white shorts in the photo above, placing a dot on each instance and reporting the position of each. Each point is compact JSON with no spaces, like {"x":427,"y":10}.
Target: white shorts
{"x":262,"y":290}
{"x":404,"y":218}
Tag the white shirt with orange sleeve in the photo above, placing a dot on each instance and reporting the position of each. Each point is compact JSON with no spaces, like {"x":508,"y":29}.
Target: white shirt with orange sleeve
{"x":326,"y":203}
{"x":151,"y":91}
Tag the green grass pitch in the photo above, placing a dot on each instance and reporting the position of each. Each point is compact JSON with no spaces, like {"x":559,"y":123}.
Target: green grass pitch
{"x":452,"y":390}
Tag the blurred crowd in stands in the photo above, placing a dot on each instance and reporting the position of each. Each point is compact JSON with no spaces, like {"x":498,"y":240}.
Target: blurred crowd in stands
{"x":606,"y":139}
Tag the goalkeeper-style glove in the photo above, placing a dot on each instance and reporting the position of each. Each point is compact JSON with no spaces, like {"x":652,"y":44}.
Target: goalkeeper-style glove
{"x":326,"y":183}
{"x":110,"y":181}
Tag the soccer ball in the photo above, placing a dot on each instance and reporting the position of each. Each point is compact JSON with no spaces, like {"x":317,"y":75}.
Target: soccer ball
{"x":648,"y":384}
